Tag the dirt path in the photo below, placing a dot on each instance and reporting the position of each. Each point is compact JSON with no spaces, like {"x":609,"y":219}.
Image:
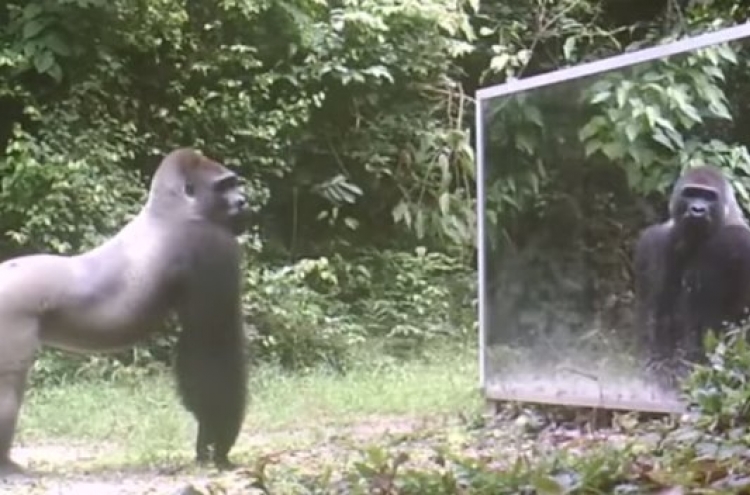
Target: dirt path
{"x":81,"y":469}
{"x":84,"y":469}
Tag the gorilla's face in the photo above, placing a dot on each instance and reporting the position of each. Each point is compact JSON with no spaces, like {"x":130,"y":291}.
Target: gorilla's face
{"x":698,"y":209}
{"x":217,"y":194}
{"x":233,"y":202}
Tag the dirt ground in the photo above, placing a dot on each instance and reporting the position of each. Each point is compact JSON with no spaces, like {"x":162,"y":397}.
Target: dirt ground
{"x":79,"y":469}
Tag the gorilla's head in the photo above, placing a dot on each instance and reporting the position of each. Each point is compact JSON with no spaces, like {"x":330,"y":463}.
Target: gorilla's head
{"x":700,"y":202}
{"x":189,"y":182}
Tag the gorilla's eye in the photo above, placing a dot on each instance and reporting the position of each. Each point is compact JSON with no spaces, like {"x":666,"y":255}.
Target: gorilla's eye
{"x":700,"y":192}
{"x":189,"y":189}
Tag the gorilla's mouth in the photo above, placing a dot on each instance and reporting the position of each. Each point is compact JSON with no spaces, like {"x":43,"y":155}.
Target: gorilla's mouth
{"x":695,"y":220}
{"x":696,"y":226}
{"x":239,"y":219}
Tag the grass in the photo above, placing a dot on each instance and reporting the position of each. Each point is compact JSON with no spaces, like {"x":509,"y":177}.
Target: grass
{"x":382,"y":428}
{"x":140,"y":421}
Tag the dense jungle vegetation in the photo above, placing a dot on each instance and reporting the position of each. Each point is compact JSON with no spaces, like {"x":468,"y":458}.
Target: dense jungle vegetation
{"x":352,"y":122}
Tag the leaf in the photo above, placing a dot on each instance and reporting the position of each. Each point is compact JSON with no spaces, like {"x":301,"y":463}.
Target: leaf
{"x":548,"y":485}
{"x":419,"y":224}
{"x":401,"y":213}
{"x":622,"y":94}
{"x":631,"y":131}
{"x":525,"y":143}
{"x":600,"y":97}
{"x":54,"y":42}
{"x":56,"y":72}
{"x":445,"y":172}
{"x":379,"y":72}
{"x":351,"y":187}
{"x":726,"y":52}
{"x":662,"y":139}
{"x":569,"y":48}
{"x":532,"y":114}
{"x":43,"y":61}
{"x":614,"y":150}
{"x":592,"y":128}
{"x":499,"y":62}
{"x":352,"y":223}
{"x":444,"y":202}
{"x":591,"y":147}
{"x":34,"y":27}
{"x":32,"y":10}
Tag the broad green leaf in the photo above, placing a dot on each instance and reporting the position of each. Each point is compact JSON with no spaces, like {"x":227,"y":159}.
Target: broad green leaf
{"x":662,"y":139}
{"x":43,"y":61}
{"x":444,"y":203}
{"x":631,"y":131}
{"x":34,"y":27}
{"x":569,"y":48}
{"x":55,"y":43}
{"x":600,"y":97}
{"x":499,"y":62}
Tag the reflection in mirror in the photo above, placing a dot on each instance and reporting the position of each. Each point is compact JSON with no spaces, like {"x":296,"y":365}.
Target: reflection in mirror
{"x":572,"y":172}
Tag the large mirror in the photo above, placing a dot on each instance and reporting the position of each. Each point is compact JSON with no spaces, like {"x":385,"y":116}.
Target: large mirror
{"x":573,"y":165}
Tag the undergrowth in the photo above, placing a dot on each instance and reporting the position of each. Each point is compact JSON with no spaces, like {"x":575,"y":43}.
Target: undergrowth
{"x":140,"y":417}
{"x":319,"y":311}
{"x":396,"y":427}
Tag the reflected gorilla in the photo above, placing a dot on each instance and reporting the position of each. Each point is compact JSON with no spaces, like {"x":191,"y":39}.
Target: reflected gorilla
{"x":692,"y":272}
{"x":179,"y":254}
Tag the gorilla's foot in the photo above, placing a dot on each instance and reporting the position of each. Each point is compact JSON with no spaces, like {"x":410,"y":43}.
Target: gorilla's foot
{"x":223,"y":463}
{"x":10,"y":468}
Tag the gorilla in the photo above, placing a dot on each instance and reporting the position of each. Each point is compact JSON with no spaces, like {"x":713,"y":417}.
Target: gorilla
{"x":692,"y":272}
{"x":179,"y":255}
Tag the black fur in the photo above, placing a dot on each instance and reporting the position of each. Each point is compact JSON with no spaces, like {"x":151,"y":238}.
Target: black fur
{"x":691,"y":276}
{"x":210,"y":364}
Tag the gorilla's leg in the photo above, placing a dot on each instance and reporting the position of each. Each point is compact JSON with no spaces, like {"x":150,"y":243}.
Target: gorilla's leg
{"x":211,"y":362}
{"x":217,"y":405}
{"x":10,"y":405}
{"x":202,"y":442}
{"x":227,"y":428}
{"x":17,"y":350}
{"x":12,"y":386}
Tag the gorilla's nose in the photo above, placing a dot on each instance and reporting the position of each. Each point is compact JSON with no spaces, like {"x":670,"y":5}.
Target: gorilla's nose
{"x":698,"y":210}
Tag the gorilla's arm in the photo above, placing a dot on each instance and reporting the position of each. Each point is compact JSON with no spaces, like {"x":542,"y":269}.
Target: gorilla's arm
{"x":735,"y":242}
{"x":210,"y":364}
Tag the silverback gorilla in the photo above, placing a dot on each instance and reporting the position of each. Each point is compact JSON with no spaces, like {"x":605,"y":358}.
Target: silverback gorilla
{"x":180,"y":253}
{"x":692,"y":272}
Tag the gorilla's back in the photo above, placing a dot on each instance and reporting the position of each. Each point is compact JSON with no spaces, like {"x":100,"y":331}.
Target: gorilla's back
{"x":116,"y":292}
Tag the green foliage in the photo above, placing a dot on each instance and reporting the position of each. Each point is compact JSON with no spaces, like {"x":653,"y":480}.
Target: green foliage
{"x":297,"y":325}
{"x":409,"y":298}
{"x":648,"y":116}
{"x":328,"y":98}
{"x":45,"y":195}
{"x":554,"y":34}
{"x":309,"y":101}
{"x":719,"y":391}
{"x":437,"y":192}
{"x":43,"y":34}
{"x":57,"y":368}
{"x":319,"y":310}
